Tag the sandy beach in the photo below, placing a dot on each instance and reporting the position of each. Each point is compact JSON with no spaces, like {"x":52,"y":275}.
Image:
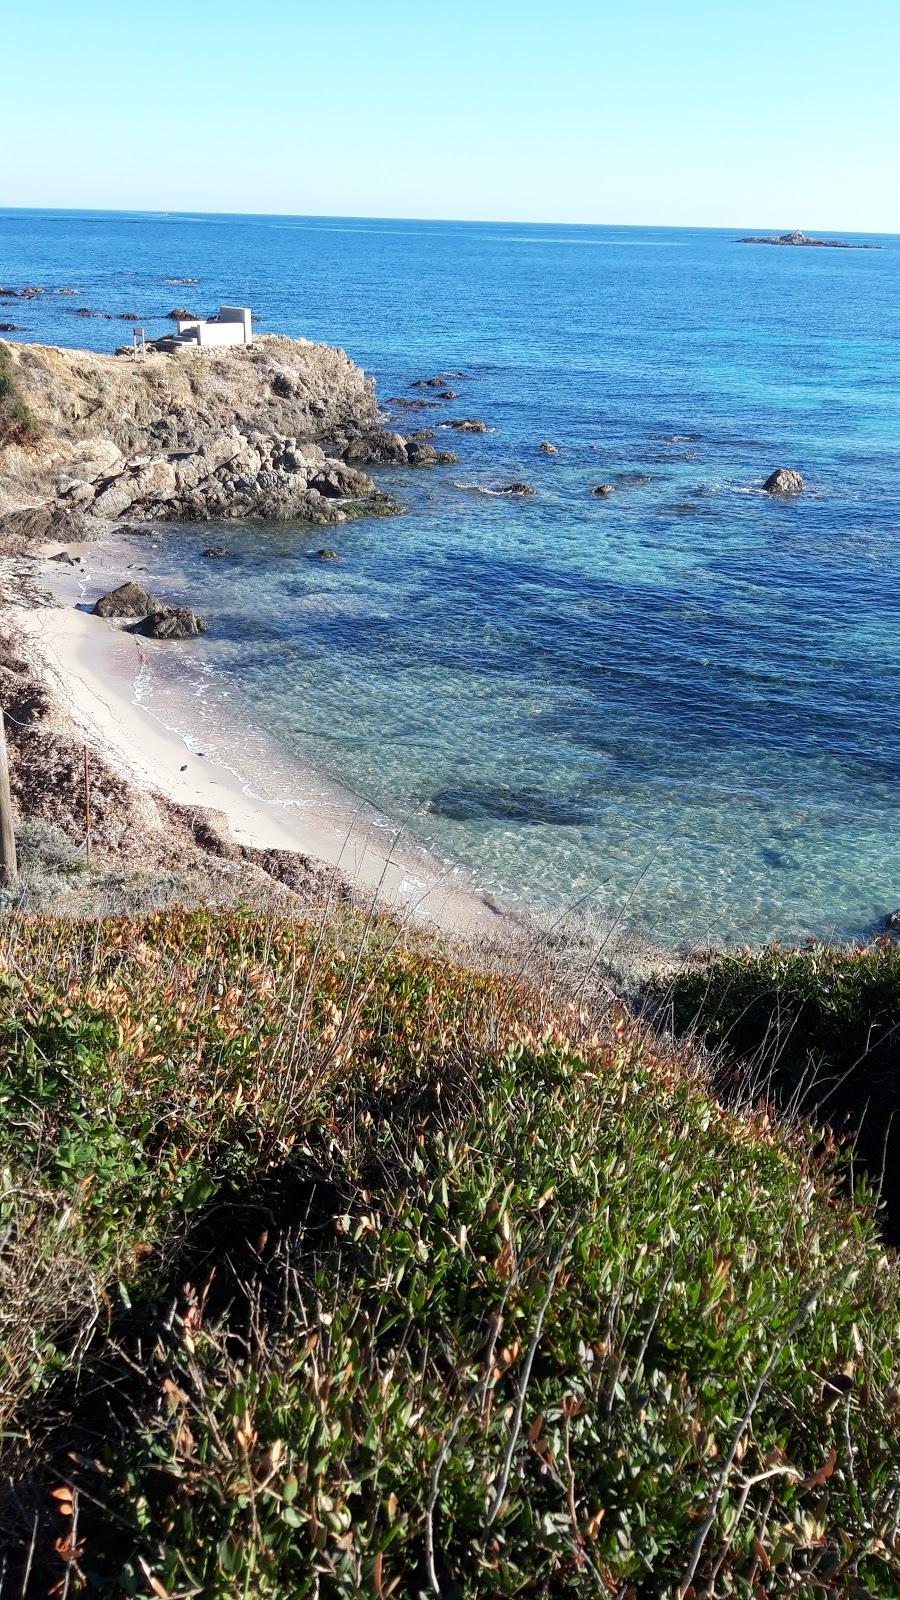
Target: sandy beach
{"x":94,"y":669}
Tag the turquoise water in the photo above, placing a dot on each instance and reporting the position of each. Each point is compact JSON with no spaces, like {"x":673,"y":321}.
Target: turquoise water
{"x":682,"y":702}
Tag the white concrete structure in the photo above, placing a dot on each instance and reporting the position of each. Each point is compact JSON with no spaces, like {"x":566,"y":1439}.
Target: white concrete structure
{"x":231,"y":325}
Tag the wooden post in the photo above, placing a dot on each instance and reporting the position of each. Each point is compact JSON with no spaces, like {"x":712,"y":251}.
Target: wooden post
{"x":87,"y":806}
{"x":8,"y":868}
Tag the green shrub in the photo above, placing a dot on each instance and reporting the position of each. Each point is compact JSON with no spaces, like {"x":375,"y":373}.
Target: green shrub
{"x":821,"y":1025}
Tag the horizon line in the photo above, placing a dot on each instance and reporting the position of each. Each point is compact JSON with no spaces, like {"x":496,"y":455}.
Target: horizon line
{"x":495,"y":222}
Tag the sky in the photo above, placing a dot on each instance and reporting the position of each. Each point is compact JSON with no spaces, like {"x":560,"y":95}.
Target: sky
{"x":739,"y":113}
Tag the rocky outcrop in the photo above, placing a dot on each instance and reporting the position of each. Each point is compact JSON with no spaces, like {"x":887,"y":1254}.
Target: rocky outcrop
{"x":548,"y":449}
{"x":516,"y":489}
{"x":800,"y":239}
{"x":602,"y":490}
{"x":279,"y":429}
{"x":784,"y":481}
{"x":467,"y":425}
{"x":392,"y":449}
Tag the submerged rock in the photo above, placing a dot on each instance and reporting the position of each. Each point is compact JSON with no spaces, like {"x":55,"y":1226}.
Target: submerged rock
{"x":784,"y":481}
{"x":216,"y":551}
{"x":326,"y":555}
{"x":468,"y":425}
{"x":548,"y":449}
{"x":403,"y":404}
{"x":603,"y":489}
{"x":516,"y":489}
{"x":172,"y":622}
{"x":507,"y":803}
{"x":129,"y":600}
{"x":891,"y":923}
{"x":447,"y":394}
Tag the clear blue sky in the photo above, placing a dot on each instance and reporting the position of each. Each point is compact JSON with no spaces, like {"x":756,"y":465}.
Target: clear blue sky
{"x":719,"y":112}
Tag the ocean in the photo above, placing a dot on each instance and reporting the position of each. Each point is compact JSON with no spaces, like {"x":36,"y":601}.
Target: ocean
{"x":677,"y":706}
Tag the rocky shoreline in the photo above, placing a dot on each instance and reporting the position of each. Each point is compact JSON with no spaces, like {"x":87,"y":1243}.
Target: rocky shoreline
{"x":279,"y":430}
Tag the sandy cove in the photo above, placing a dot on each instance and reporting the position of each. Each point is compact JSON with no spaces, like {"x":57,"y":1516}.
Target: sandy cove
{"x":90,"y":669}
{"x":277,"y":430}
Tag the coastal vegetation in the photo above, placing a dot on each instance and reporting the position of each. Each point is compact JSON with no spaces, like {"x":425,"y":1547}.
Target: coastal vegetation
{"x":335,"y":1267}
{"x":17,"y":422}
{"x":818,"y":1027}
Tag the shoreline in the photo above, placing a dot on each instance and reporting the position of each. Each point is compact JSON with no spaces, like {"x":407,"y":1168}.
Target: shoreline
{"x":92,"y":668}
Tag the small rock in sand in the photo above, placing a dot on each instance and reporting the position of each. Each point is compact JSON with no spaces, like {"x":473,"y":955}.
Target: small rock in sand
{"x":172,"y":622}
{"x":129,"y":600}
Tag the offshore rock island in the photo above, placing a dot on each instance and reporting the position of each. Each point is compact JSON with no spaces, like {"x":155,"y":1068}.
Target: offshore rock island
{"x":801,"y":240}
{"x":278,"y":430}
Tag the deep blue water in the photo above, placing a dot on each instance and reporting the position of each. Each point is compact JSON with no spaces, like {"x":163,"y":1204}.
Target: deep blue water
{"x":683,"y":699}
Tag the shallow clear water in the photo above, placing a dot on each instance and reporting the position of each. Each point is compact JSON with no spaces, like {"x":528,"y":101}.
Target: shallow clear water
{"x":682,"y":700}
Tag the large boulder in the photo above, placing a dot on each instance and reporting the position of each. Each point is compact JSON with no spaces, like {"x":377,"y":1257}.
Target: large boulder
{"x":338,"y":481}
{"x":783,"y":481}
{"x":419,"y":453}
{"x":144,"y":482}
{"x":172,"y":622}
{"x":129,"y":600}
{"x":115,"y":497}
{"x":377,"y":446}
